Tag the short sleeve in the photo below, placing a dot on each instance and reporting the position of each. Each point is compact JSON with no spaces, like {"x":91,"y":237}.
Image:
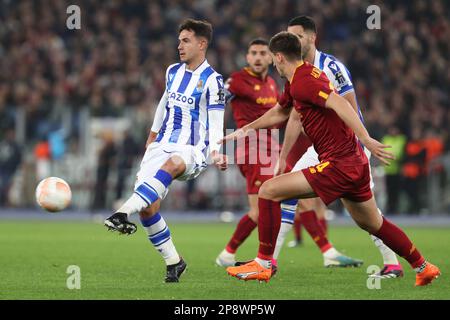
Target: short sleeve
{"x":339,"y":77}
{"x":215,"y":93}
{"x":170,"y":74}
{"x":286,"y":100}
{"x":229,"y":90}
{"x":313,"y":88}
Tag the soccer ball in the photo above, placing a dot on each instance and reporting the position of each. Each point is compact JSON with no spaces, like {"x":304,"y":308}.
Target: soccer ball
{"x":226,"y":216}
{"x":53,"y":194}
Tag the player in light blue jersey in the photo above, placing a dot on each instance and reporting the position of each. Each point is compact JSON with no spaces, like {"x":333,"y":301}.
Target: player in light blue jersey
{"x":189,"y":115}
{"x":305,"y":28}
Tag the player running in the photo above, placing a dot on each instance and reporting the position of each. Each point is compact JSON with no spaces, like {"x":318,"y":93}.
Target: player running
{"x":253,"y":92}
{"x":340,"y":78}
{"x":189,"y":115}
{"x":343,"y":172}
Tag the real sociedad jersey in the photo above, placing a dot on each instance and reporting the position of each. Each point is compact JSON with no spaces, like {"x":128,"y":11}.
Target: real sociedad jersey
{"x":337,"y":73}
{"x":189,"y":96}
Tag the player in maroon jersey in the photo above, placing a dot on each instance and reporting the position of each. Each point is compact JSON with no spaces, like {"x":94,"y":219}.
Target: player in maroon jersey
{"x":253,"y":93}
{"x":332,"y":125}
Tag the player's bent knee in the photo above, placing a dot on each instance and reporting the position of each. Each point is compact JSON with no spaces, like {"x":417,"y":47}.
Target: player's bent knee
{"x":367,"y":226}
{"x":267,"y":191}
{"x":253,"y":214}
{"x":175,"y":166}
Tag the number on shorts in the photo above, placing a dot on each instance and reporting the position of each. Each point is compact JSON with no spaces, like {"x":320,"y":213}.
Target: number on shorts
{"x":319,"y":167}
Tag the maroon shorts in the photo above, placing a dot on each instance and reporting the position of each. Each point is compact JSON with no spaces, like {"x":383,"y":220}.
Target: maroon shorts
{"x":254,"y":177}
{"x":331,"y":181}
{"x":257,"y":163}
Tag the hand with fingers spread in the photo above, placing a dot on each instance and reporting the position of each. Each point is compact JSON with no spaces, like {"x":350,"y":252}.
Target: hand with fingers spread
{"x":378,"y":150}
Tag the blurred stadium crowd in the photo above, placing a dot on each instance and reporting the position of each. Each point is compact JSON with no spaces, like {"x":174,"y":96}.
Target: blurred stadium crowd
{"x":114,"y":67}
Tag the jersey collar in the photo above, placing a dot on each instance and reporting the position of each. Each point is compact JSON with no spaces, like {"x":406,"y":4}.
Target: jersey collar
{"x":199,"y":69}
{"x":250,"y":72}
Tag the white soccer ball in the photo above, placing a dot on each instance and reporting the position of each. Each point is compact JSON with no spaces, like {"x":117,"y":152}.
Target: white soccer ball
{"x":53,"y":194}
{"x":226,"y":216}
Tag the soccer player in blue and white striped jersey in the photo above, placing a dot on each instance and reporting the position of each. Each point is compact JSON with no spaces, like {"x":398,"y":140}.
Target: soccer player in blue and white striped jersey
{"x":189,"y":115}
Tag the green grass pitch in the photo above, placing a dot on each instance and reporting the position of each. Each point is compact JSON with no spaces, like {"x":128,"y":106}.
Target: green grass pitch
{"x":35,"y":256}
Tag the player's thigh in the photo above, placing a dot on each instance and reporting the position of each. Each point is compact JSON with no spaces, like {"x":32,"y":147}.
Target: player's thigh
{"x":287,"y":186}
{"x":155,"y":158}
{"x":253,"y":202}
{"x":194,"y":161}
{"x":308,"y":159}
{"x":365,"y":214}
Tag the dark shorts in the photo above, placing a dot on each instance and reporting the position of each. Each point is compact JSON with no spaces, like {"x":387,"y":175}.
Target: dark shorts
{"x":254,"y":177}
{"x":331,"y":181}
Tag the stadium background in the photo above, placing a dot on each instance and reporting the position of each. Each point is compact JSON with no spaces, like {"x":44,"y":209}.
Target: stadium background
{"x":78,"y":104}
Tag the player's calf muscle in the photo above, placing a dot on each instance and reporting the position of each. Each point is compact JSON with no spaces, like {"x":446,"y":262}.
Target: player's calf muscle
{"x":307,"y":205}
{"x":150,"y":211}
{"x":365,"y":214}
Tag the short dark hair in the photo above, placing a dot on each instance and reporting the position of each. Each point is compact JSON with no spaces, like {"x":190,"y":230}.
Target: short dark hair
{"x":305,"y":21}
{"x":201,"y":28}
{"x":288,"y":44}
{"x":258,"y":41}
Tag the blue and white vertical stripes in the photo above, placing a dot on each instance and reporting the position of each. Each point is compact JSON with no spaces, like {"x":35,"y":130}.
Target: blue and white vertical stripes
{"x":189,"y":95}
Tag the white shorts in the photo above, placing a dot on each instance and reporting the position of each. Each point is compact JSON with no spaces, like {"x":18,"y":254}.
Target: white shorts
{"x":311,"y":158}
{"x":157,"y":154}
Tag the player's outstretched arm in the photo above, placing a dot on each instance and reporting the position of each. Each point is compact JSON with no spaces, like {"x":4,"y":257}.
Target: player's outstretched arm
{"x":345,"y":111}
{"x":272,"y":117}
{"x":293,"y":130}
